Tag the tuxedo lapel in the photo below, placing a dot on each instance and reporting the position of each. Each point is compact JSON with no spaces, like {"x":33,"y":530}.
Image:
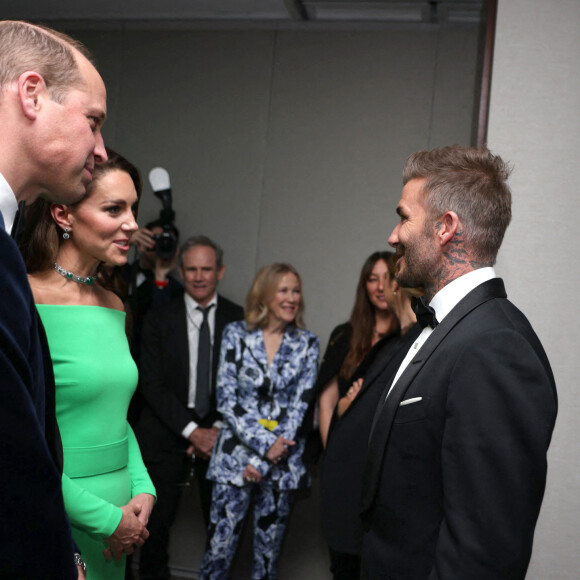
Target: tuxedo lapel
{"x":179,"y":340}
{"x":387,"y":409}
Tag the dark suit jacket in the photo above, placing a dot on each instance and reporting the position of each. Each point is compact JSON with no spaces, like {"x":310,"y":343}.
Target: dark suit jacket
{"x":344,"y":459}
{"x":147,"y":296}
{"x":165,"y":376}
{"x":35,"y":537}
{"x":454,"y":481}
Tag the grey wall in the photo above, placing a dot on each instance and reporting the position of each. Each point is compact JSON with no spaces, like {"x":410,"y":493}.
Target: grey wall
{"x":287,"y":145}
{"x":535,"y":122}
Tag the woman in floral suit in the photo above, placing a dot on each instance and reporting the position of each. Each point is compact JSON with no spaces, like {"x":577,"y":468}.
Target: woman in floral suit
{"x":265,"y":381}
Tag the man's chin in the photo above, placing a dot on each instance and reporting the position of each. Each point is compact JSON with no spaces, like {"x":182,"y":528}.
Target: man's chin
{"x":68,"y":197}
{"x":405,"y":281}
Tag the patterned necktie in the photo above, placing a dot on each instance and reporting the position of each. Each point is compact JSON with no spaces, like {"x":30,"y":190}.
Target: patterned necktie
{"x":425,"y":313}
{"x":202,"y":390}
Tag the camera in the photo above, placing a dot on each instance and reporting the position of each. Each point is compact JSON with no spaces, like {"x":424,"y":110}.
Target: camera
{"x":166,"y":241}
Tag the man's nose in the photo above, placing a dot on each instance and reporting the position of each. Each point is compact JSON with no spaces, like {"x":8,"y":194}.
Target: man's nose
{"x":394,"y":237}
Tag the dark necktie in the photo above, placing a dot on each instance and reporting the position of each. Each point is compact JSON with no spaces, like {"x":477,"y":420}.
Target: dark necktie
{"x":202,"y":390}
{"x":425,"y":313}
{"x":18,"y":221}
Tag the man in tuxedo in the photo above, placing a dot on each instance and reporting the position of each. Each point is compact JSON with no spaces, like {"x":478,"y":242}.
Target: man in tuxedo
{"x":179,"y":422}
{"x":456,"y":465}
{"x":52,"y":106}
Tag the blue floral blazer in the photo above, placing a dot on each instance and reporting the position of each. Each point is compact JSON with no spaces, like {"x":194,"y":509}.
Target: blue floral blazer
{"x":248,"y":390}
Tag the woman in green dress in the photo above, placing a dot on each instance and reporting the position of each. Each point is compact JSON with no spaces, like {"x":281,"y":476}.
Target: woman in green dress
{"x":107,"y":491}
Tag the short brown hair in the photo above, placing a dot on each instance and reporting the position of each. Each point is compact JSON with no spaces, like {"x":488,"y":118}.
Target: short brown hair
{"x":472,"y":182}
{"x":31,"y":47}
{"x":263,"y":288}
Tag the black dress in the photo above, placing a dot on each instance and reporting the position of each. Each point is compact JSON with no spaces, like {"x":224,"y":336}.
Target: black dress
{"x":334,"y":355}
{"x":343,"y":463}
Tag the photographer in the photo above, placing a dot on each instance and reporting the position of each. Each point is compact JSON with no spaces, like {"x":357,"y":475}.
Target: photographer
{"x":153,"y":281}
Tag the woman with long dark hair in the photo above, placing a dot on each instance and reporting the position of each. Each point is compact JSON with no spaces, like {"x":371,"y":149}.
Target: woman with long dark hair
{"x":107,"y":492}
{"x":343,"y":463}
{"x":371,"y":319}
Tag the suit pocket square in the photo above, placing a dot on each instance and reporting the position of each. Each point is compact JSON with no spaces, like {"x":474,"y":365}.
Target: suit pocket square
{"x":410,"y":401}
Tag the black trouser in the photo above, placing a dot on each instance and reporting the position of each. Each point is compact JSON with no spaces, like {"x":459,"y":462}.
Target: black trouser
{"x":168,"y":477}
{"x":344,"y":566}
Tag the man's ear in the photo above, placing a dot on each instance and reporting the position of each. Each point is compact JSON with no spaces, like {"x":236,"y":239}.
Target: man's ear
{"x":61,"y":215}
{"x":221,"y":272}
{"x":31,"y":91}
{"x":449,"y":226}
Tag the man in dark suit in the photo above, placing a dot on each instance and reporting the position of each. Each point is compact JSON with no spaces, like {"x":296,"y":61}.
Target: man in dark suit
{"x":52,"y":106}
{"x":179,"y":358}
{"x":456,"y":466}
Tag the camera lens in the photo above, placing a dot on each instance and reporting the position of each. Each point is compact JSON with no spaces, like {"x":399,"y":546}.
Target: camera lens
{"x":165,"y":245}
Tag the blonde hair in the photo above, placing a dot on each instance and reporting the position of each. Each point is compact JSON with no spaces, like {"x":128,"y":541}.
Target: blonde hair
{"x":263,"y":288}
{"x":30,"y":47}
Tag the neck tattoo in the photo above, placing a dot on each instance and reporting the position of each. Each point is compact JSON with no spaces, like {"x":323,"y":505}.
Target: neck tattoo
{"x":87,"y":280}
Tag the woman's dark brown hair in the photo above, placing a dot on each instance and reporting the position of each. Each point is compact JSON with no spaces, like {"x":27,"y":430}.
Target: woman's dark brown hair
{"x":362,"y":318}
{"x":40,"y":238}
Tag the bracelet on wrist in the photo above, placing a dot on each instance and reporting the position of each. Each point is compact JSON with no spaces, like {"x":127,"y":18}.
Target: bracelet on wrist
{"x":80,"y":563}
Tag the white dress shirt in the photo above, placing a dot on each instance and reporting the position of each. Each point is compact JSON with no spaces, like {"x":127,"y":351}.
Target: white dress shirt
{"x":8,"y":204}
{"x":443,"y":303}
{"x":194,"y":321}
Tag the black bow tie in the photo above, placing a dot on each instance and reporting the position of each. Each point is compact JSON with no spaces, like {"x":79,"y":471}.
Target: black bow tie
{"x":425,"y":313}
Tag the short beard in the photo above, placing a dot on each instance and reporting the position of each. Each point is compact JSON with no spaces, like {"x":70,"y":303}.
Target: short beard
{"x":421,"y":264}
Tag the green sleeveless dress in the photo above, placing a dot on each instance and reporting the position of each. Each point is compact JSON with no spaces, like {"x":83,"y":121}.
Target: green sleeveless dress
{"x":95,"y":380}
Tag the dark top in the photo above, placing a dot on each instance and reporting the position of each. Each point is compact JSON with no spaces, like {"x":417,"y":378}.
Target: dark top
{"x":334,"y":356}
{"x":344,"y":459}
{"x":147,"y":296}
{"x":335,"y":353}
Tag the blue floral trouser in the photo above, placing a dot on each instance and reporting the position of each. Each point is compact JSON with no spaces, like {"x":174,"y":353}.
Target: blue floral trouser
{"x":229,"y":507}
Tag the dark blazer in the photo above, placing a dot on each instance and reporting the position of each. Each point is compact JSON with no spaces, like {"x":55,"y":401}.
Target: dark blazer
{"x":456,"y":466}
{"x":35,"y":536}
{"x":145,"y":297}
{"x":344,"y":459}
{"x":165,"y":375}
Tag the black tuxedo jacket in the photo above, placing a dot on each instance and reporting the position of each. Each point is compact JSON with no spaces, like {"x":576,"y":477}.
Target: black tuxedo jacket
{"x":456,"y":465}
{"x":164,"y":375}
{"x":35,"y":536}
